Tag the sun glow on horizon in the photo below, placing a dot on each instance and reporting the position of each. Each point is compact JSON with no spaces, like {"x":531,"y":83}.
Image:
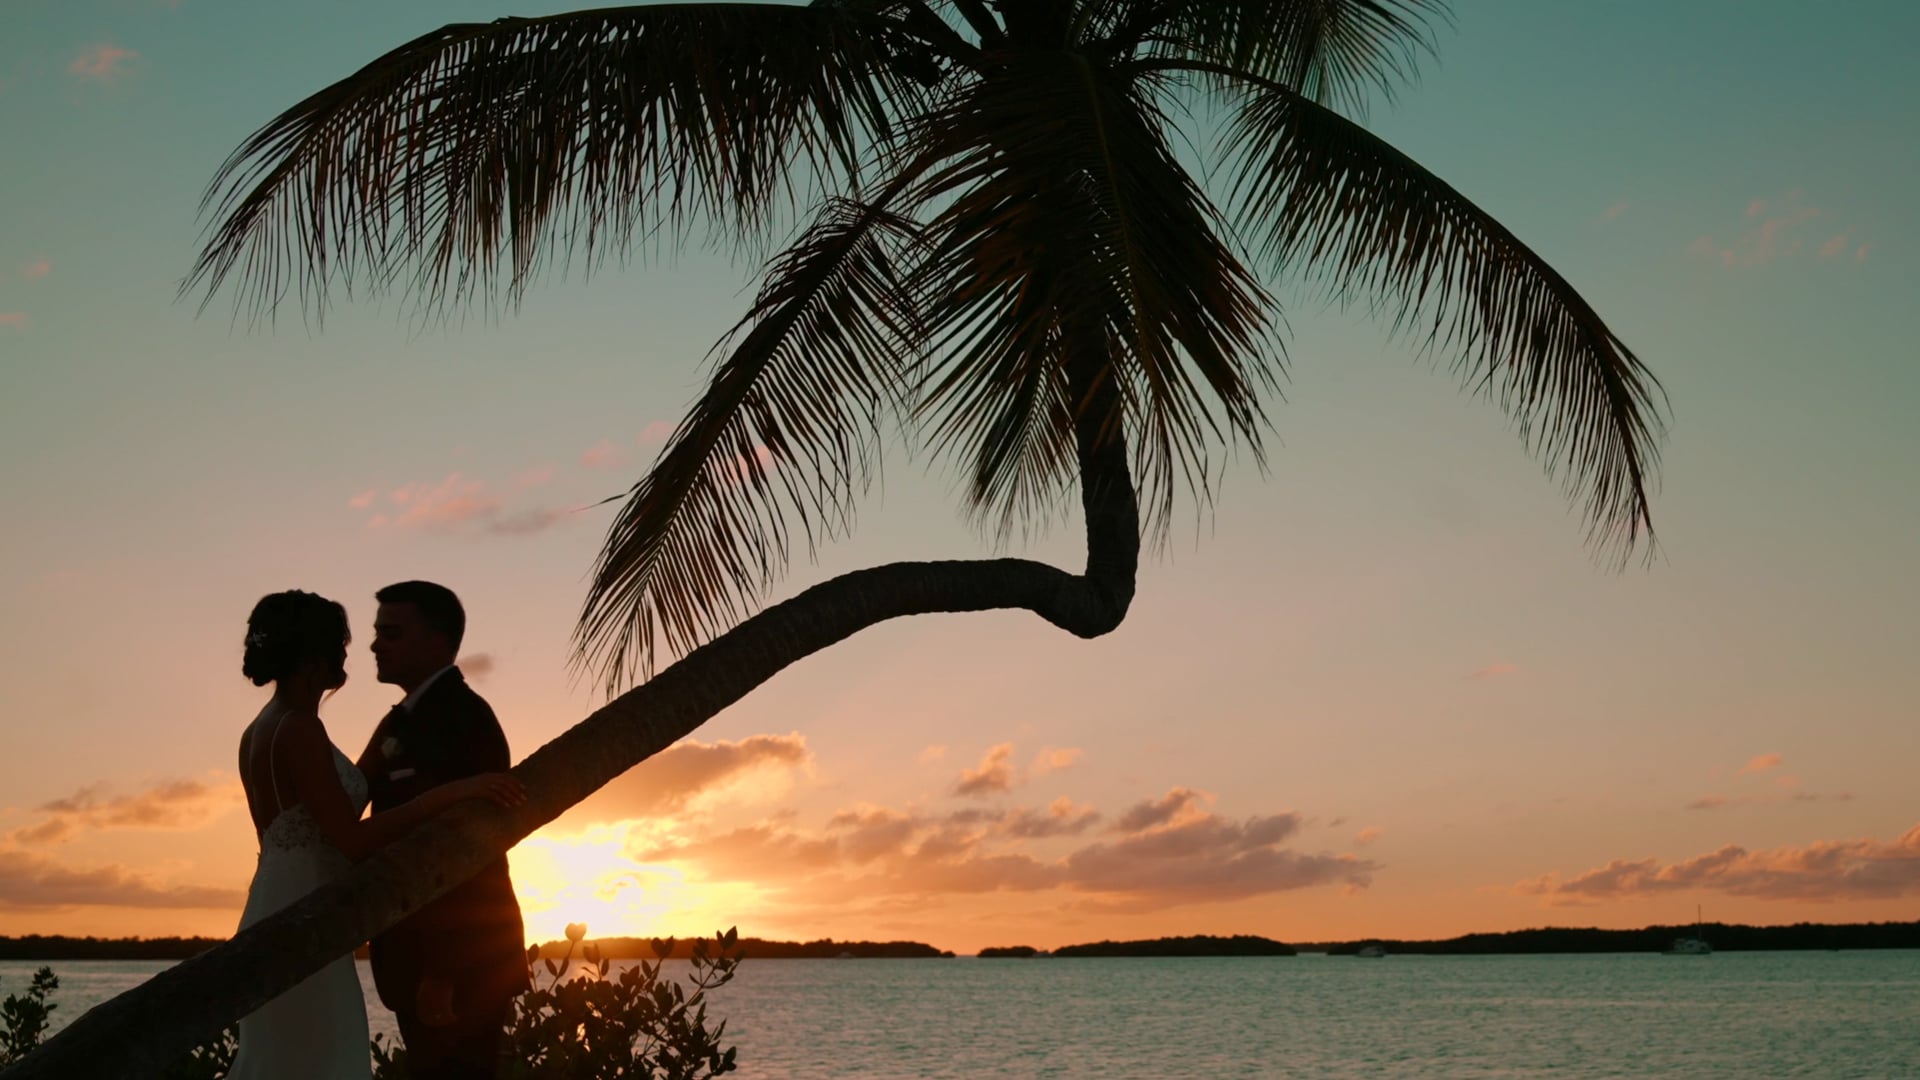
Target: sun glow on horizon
{"x":588,"y":877}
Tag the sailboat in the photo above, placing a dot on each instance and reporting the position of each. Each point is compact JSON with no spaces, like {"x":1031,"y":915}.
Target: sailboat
{"x":1694,"y":945}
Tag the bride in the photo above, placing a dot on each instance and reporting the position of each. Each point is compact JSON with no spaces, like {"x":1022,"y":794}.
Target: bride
{"x":306,"y":799}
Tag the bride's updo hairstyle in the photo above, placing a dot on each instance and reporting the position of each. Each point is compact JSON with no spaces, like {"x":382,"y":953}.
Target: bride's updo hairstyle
{"x":289,"y":629}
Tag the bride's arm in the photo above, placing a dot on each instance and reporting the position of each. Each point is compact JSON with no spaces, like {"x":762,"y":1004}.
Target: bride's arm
{"x":303,"y":760}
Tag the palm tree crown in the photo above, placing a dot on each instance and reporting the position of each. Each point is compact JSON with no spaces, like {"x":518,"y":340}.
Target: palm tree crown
{"x":996,"y":236}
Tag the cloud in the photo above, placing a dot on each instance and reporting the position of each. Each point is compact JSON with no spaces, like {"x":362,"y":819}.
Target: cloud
{"x":1613,"y":212}
{"x":38,"y":268}
{"x":868,"y":854}
{"x":1494,"y":671}
{"x":673,"y":779}
{"x":533,"y":478}
{"x":1368,"y":835}
{"x":1761,"y":763}
{"x":1860,"y":253}
{"x":993,"y":774}
{"x":461,"y":504}
{"x":34,"y":881}
{"x":15,"y":319}
{"x":1834,"y":248}
{"x":656,"y":432}
{"x":453,"y":501}
{"x":603,"y":455}
{"x":933,"y":753}
{"x":1826,"y":870}
{"x":174,"y":804}
{"x":1773,"y":230}
{"x":1178,"y":802}
{"x":1717,"y":802}
{"x":1053,"y":759}
{"x":1061,"y":818}
{"x":476,"y":666}
{"x":101,"y":62}
{"x":526,"y":522}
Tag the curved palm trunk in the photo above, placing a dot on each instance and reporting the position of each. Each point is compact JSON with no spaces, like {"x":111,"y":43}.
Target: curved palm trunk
{"x":140,"y":1031}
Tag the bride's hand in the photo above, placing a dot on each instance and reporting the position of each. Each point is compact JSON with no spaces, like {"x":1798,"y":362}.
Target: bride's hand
{"x":498,"y":787}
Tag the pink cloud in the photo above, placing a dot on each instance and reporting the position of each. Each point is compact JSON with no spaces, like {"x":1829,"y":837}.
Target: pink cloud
{"x":38,"y":268}
{"x":869,"y":854}
{"x":477,"y":666}
{"x":175,"y":804}
{"x":1825,"y":870}
{"x":1779,"y":233}
{"x":33,"y":881}
{"x":101,"y":62}
{"x":1178,"y":804}
{"x":1860,"y":253}
{"x":525,"y":522}
{"x":1061,"y":818}
{"x":1368,"y":835}
{"x":603,"y":455}
{"x":1494,"y":671}
{"x":993,"y":774}
{"x":453,"y":501}
{"x":1614,"y":211}
{"x":533,"y":478}
{"x":1716,"y":801}
{"x":458,"y":503}
{"x":1834,"y":248}
{"x":933,"y":753}
{"x":15,"y":319}
{"x":1761,"y":763}
{"x":670,"y":780}
{"x":656,"y":432}
{"x":1053,"y":759}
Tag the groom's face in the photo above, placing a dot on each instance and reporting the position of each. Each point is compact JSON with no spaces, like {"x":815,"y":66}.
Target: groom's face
{"x":405,"y":649}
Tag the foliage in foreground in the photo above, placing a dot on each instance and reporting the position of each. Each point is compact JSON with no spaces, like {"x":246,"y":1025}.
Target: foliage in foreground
{"x":588,"y":1023}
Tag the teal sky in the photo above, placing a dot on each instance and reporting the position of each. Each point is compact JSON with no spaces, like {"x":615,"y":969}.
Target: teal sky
{"x":1396,"y":635}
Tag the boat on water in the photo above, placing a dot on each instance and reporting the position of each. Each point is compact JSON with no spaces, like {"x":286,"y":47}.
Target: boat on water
{"x":1371,"y":951}
{"x":1694,"y":944}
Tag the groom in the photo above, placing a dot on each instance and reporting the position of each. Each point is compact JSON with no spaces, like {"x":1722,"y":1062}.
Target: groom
{"x":451,"y":970}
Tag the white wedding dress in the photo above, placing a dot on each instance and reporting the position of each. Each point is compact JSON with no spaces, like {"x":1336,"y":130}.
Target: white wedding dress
{"x":318,"y":1029}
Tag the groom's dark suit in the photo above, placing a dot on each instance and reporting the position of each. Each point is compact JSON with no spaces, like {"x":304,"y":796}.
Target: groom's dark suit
{"x":471,"y":937}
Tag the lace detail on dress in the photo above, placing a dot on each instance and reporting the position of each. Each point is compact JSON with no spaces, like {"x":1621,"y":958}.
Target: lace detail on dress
{"x":295,"y":828}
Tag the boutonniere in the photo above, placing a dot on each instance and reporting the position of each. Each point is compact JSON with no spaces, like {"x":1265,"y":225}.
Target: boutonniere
{"x":390,"y":747}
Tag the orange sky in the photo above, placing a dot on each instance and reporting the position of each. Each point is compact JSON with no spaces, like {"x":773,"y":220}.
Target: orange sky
{"x":1380,"y":690}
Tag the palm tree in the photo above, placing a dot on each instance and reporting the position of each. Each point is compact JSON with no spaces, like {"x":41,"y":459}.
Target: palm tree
{"x":995,"y":244}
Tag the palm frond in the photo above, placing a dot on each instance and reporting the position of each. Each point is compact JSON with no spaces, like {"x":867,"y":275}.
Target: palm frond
{"x":1332,"y":51}
{"x":787,"y":427}
{"x":456,"y":163}
{"x":1330,"y":199}
{"x":1071,"y":226}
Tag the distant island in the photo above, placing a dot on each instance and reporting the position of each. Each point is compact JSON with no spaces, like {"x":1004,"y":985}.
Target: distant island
{"x":1724,"y":937}
{"x":751,"y":948}
{"x":1197,"y":945}
{"x":61,"y":947}
{"x":43,"y":947}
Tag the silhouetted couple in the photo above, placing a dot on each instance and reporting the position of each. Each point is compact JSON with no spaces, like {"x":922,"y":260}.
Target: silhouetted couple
{"x":451,"y":970}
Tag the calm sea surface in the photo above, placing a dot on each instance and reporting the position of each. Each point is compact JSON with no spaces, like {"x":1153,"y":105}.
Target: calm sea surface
{"x":1802,"y":1014}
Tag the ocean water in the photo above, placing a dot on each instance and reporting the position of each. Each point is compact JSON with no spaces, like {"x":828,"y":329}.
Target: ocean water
{"x":1737,"y":1015}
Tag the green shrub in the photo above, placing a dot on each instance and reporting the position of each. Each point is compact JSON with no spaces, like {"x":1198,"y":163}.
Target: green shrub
{"x":592,"y":1026}
{"x":25,"y":1016}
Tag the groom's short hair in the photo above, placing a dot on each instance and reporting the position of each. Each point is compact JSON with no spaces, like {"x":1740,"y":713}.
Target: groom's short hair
{"x":438,"y":607}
